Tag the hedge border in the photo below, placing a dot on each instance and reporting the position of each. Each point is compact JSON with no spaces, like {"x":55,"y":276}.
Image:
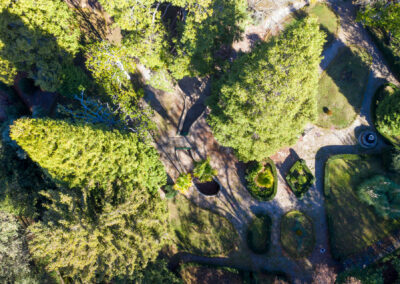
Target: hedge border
{"x":291,"y":185}
{"x":377,"y":96}
{"x":266,"y":218}
{"x":274,"y":187}
{"x":312,"y":234}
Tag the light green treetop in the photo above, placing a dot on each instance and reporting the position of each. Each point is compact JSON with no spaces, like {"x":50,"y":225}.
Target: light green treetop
{"x":269,"y":95}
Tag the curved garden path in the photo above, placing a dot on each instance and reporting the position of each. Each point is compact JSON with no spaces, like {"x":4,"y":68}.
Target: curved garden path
{"x":315,"y":147}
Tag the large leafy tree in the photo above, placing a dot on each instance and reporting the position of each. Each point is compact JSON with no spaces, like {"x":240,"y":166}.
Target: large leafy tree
{"x":97,"y":236}
{"x":180,"y":35}
{"x":85,"y":155}
{"x":14,"y":254}
{"x":37,"y":36}
{"x":269,"y":95}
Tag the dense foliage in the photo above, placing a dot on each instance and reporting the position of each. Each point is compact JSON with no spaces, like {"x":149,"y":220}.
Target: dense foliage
{"x":182,"y":36}
{"x":269,"y":95}
{"x":183,"y":182}
{"x":300,"y":178}
{"x":262,"y":180}
{"x":203,"y":171}
{"x":383,"y":194}
{"x":388,"y":114}
{"x":97,"y":235}
{"x":37,"y":37}
{"x":84,"y":155}
{"x":14,"y":254}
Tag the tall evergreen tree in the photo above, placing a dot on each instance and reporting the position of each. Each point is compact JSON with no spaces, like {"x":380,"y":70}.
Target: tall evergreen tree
{"x":269,"y":95}
{"x":84,"y":155}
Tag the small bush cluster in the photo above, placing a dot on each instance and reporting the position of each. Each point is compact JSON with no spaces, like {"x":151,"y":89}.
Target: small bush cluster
{"x":203,"y":171}
{"x":262,"y":180}
{"x":183,"y":183}
{"x":388,"y":114}
{"x":300,"y":178}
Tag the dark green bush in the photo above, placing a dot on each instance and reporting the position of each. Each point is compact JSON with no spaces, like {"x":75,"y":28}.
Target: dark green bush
{"x":203,"y":171}
{"x":261,"y":187}
{"x":300,"y":178}
{"x":259,"y":234}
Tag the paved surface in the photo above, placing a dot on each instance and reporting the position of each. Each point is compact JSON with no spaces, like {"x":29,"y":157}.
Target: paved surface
{"x":315,"y":147}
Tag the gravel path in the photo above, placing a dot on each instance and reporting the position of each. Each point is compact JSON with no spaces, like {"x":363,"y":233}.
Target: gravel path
{"x":315,"y":147}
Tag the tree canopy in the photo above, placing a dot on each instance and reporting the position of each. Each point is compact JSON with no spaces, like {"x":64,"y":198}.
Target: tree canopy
{"x":388,"y":114}
{"x":269,"y":95}
{"x":84,"y":155}
{"x":36,"y":36}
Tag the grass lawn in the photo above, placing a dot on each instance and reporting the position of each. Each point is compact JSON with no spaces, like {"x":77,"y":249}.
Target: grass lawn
{"x":297,"y":234}
{"x":353,"y":225}
{"x":328,"y":20}
{"x":200,"y":231}
{"x":341,"y":88}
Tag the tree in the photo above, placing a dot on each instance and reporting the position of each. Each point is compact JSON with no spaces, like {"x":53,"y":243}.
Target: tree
{"x":383,"y":194}
{"x":85,"y":155}
{"x":14,"y":254}
{"x":94,"y":236}
{"x":388,"y":114}
{"x":36,"y":36}
{"x":269,"y":95}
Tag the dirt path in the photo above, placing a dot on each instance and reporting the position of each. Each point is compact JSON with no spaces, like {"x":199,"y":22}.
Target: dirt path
{"x":315,"y":147}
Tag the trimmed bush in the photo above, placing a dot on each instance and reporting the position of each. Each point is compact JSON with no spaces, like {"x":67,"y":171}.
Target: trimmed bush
{"x":183,"y":182}
{"x":259,"y":234}
{"x":297,"y":234}
{"x":262,"y":180}
{"x":300,"y":178}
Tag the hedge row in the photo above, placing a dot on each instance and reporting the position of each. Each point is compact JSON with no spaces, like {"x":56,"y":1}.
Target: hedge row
{"x":257,"y":192}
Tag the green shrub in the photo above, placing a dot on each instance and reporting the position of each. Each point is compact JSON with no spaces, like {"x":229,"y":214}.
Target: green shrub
{"x":262,"y":180}
{"x":170,"y":192}
{"x":388,"y":114}
{"x":183,"y":183}
{"x":259,"y":234}
{"x":395,"y":165}
{"x":383,"y":194}
{"x":300,"y":178}
{"x":203,"y":171}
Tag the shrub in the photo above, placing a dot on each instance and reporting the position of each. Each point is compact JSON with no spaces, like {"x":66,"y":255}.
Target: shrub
{"x":259,"y":234}
{"x":262,"y":180}
{"x":183,"y":183}
{"x":300,"y":178}
{"x":170,"y":192}
{"x":395,"y":165}
{"x":388,"y":114}
{"x":203,"y":171}
{"x":383,"y":194}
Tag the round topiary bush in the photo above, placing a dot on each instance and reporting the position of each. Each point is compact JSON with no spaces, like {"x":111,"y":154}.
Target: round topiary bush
{"x":262,"y":180}
{"x":297,"y":234}
{"x":259,"y":234}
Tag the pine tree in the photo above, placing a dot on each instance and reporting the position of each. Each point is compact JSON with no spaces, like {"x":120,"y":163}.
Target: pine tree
{"x":84,"y":155}
{"x":269,"y":95}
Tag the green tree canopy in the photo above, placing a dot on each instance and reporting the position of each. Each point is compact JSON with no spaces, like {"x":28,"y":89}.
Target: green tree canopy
{"x":36,"y":36}
{"x":14,"y":254}
{"x":84,"y":155}
{"x":269,"y":95}
{"x":92,"y":236}
{"x":388,"y":114}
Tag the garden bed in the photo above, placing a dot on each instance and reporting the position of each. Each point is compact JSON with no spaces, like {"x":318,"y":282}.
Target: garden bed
{"x":297,"y":234}
{"x":210,"y":188}
{"x":259,"y":174}
{"x":259,"y":234}
{"x":353,"y":225}
{"x":300,"y":178}
{"x":341,"y":88}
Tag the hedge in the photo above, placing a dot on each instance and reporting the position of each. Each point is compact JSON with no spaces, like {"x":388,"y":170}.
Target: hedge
{"x":305,"y":186}
{"x":259,"y":193}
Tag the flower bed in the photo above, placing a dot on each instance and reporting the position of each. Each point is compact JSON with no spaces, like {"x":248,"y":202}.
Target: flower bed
{"x":300,"y":178}
{"x":262,"y":180}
